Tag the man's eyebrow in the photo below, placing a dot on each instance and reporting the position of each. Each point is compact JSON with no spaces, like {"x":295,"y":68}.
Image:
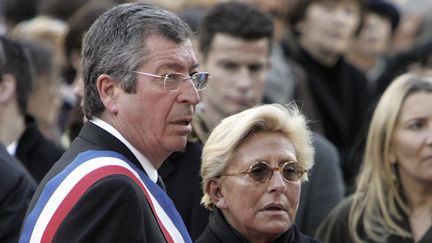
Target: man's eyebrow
{"x":172,"y":65}
{"x":176,"y":66}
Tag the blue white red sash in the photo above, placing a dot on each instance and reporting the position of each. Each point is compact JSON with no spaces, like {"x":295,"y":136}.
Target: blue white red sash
{"x":62,"y":192}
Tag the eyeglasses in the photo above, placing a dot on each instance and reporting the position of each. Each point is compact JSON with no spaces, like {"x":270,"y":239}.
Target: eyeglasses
{"x":175,"y":81}
{"x":262,"y":172}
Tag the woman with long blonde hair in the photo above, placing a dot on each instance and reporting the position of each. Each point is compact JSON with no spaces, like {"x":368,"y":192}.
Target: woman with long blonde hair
{"x":393,"y":199}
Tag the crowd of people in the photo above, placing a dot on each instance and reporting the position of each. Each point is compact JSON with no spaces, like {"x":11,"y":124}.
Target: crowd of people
{"x":215,"y":121}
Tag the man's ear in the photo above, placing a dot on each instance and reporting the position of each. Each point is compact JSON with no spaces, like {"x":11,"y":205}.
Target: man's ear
{"x":214,"y":190}
{"x":109,"y":90}
{"x":7,"y":88}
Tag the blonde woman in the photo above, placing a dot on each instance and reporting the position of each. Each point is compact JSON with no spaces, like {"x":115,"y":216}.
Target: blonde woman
{"x":252,"y":167}
{"x":393,"y":199}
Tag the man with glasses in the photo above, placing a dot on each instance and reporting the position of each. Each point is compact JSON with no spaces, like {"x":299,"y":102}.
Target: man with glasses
{"x":17,"y":185}
{"x":140,"y":90}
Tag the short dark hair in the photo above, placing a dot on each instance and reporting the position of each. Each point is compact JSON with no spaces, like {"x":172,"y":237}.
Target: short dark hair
{"x":17,"y":64}
{"x":303,"y":5}
{"x":385,"y":9}
{"x":79,"y":23}
{"x":236,"y":19}
{"x":115,"y":45}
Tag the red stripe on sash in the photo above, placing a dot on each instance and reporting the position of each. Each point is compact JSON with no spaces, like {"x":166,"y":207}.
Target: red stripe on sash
{"x":81,"y":187}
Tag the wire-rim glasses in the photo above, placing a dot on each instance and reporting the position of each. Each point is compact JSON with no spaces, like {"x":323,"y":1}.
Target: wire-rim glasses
{"x":262,"y":172}
{"x":175,"y":81}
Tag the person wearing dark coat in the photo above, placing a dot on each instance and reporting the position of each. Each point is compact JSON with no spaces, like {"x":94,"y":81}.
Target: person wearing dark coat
{"x":17,"y":188}
{"x":104,"y":205}
{"x":180,"y":174}
{"x":392,"y":202}
{"x":141,"y":87}
{"x":334,"y":92}
{"x":37,"y":153}
{"x":19,"y":131}
{"x":219,"y":231}
{"x":252,"y":167}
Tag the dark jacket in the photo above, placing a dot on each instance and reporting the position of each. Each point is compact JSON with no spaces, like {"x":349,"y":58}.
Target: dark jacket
{"x":16,"y":190}
{"x":335,"y":229}
{"x":337,"y":100}
{"x":37,"y":153}
{"x":219,"y":231}
{"x":324,"y":190}
{"x":180,"y":173}
{"x":112,"y":210}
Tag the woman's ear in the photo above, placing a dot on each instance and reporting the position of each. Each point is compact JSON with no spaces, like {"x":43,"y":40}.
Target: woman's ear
{"x":214,"y":190}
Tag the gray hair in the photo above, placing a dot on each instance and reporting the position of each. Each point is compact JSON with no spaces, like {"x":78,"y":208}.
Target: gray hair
{"x":115,"y":45}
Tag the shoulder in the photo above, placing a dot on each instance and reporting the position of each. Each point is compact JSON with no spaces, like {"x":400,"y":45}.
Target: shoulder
{"x":334,"y":228}
{"x":208,"y":236}
{"x":302,"y":238}
{"x":13,"y":174}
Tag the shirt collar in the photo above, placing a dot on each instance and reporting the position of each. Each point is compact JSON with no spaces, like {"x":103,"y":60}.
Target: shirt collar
{"x":11,"y":148}
{"x":148,"y":167}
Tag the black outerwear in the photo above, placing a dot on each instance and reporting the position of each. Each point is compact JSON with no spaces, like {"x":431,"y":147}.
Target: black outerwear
{"x":180,"y":173}
{"x":112,"y":210}
{"x":334,"y":228}
{"x":338,"y":100}
{"x":16,"y":190}
{"x":37,"y":153}
{"x":219,"y":231}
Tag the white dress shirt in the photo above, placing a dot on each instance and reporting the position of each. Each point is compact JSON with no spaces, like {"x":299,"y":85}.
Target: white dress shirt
{"x":148,"y":167}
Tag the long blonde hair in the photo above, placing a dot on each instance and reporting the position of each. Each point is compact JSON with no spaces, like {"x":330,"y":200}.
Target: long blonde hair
{"x":378,"y":199}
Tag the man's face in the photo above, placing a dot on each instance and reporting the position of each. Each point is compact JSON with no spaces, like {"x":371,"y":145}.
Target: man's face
{"x":238,"y":68}
{"x":154,"y":120}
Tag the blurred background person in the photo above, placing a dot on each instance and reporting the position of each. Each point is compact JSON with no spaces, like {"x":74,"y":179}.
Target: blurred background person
{"x":17,"y":185}
{"x":78,"y":24}
{"x":284,"y":74}
{"x":412,"y":44}
{"x":372,"y":46}
{"x":334,"y":94}
{"x":48,"y":62}
{"x":252,"y":167}
{"x":18,"y":130}
{"x":393,"y":198}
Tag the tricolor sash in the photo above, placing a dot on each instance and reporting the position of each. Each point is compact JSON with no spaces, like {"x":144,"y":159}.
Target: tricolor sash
{"x":64,"y":190}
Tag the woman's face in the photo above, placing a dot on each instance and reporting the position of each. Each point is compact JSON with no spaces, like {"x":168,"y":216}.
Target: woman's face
{"x":260,"y":210}
{"x":329,"y":26}
{"x":411,"y":146}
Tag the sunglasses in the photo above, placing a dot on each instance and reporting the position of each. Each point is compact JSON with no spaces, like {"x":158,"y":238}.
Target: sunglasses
{"x":262,"y":172}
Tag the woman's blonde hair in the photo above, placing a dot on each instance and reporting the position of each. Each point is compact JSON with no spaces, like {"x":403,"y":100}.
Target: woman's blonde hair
{"x":236,"y":129}
{"x":378,"y":198}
